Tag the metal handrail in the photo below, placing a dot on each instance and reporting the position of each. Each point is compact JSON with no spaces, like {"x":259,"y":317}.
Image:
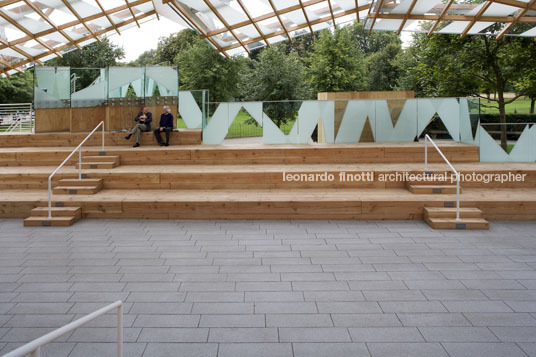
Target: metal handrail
{"x":34,"y":347}
{"x":79,"y":149}
{"x":426,"y":139}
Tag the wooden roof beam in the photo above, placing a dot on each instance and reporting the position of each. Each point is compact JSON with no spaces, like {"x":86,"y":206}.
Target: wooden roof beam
{"x":306,"y":17}
{"x":246,"y":11}
{"x":477,"y":17}
{"x":410,"y":10}
{"x":331,"y":12}
{"x":376,"y":15}
{"x":47,"y":19}
{"x":357,"y":13}
{"x":108,"y":17}
{"x":519,"y":15}
{"x":9,"y":66}
{"x":75,"y":13}
{"x":224,"y":22}
{"x":21,"y":52}
{"x":443,"y":13}
{"x":131,"y":12}
{"x":279,"y":18}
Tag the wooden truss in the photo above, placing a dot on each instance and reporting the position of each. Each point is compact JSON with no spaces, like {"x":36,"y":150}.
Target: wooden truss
{"x":56,"y":47}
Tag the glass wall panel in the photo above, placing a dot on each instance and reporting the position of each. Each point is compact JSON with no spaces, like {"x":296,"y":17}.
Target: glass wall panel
{"x":89,"y":87}
{"x":52,"y":87}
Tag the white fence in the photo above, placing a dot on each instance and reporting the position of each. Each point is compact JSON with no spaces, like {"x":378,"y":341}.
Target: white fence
{"x":16,"y":118}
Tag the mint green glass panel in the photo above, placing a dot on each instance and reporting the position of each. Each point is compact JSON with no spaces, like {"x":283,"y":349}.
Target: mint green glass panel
{"x":126,"y":82}
{"x":280,"y":122}
{"x":89,"y":87}
{"x":52,"y":87}
{"x":161,"y":80}
{"x":396,"y":120}
{"x":358,"y":119}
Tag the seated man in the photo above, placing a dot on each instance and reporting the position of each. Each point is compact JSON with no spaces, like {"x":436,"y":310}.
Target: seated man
{"x":143,"y":120}
{"x":166,"y":124}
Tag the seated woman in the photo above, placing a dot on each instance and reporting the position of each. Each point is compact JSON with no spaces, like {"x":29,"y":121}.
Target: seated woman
{"x":143,"y":123}
{"x":166,"y":124}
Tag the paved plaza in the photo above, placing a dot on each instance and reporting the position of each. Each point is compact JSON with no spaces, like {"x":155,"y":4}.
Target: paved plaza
{"x":272,"y":288}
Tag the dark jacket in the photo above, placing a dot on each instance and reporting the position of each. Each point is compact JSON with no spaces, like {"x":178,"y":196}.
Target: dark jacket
{"x":166,"y":120}
{"x":148,"y":120}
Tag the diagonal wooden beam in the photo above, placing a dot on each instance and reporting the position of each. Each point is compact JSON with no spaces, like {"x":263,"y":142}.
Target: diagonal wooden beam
{"x":246,"y":11}
{"x":331,"y":12}
{"x":357,"y":13}
{"x":279,"y":18}
{"x":75,"y":13}
{"x":23,"y":53}
{"x":224,"y":22}
{"x":28,"y":33}
{"x":10,"y":66}
{"x":132,"y":12}
{"x":378,"y":9}
{"x":443,"y":13}
{"x":108,"y":17}
{"x":302,"y":26}
{"x":410,"y":10}
{"x":184,"y":12}
{"x":519,"y":15}
{"x":156,"y":11}
{"x":477,"y":17}
{"x":306,"y":17}
{"x":47,"y":19}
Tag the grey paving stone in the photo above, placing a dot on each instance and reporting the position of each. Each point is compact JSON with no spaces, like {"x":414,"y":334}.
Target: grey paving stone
{"x":330,"y":350}
{"x":232,"y":321}
{"x":285,"y":307}
{"x":223,"y":308}
{"x":41,"y":320}
{"x":173,"y":335}
{"x":298,"y":320}
{"x":314,"y":334}
{"x":434,"y":319}
{"x":160,"y":308}
{"x":107,"y":349}
{"x":385,"y":334}
{"x":476,"y":306}
{"x":415,"y":349}
{"x":522,"y":306}
{"x":501,"y":319}
{"x":40,"y":308}
{"x":207,"y":296}
{"x":394,"y":295}
{"x":26,"y":334}
{"x":158,"y":320}
{"x":412,"y":306}
{"x":255,"y":350}
{"x":515,"y":334}
{"x":457,"y":334}
{"x":365,"y":320}
{"x":483,"y":350}
{"x":529,"y":348}
{"x":54,"y":349}
{"x":333,"y":296}
{"x":156,"y":297}
{"x":239,"y":334}
{"x":181,"y":350}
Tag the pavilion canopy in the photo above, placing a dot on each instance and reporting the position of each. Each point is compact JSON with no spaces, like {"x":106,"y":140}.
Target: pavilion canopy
{"x":33,"y":31}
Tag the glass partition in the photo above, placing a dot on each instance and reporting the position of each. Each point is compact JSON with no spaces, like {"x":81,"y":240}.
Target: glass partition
{"x":52,"y":87}
{"x":507,"y":142}
{"x":89,"y":87}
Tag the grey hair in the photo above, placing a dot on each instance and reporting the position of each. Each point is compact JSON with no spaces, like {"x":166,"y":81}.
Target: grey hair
{"x":167,"y":108}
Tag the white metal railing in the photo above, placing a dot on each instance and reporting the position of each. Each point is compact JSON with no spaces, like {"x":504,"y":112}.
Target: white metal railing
{"x":79,"y":149}
{"x":426,"y":139}
{"x":33,"y":348}
{"x":16,"y":116}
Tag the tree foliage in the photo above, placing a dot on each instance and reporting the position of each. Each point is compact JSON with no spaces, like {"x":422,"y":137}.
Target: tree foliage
{"x":17,"y":89}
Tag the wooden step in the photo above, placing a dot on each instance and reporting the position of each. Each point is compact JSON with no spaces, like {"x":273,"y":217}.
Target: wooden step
{"x":52,"y":222}
{"x":102,"y":158}
{"x":433,"y":189}
{"x":449,"y":212}
{"x":463,"y":223}
{"x":83,"y":182}
{"x":98,"y":165}
{"x":57,"y":212}
{"x":75,"y":190}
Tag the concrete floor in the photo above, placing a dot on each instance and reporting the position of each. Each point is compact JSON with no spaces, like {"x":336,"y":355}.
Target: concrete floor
{"x":274,"y":289}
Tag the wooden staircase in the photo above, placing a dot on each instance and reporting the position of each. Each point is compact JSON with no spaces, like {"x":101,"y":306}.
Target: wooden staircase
{"x":102,"y":161}
{"x":445,"y":218}
{"x":61,"y":217}
{"x":84,"y":186}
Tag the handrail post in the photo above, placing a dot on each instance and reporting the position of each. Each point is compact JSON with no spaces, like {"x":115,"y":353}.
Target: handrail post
{"x":120,"y":331}
{"x":102,"y":122}
{"x":50,"y":197}
{"x":426,"y":152}
{"x":80,"y":163}
{"x":458,"y":197}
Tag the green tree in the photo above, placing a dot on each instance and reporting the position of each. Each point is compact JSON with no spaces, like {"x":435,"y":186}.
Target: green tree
{"x":371,"y":42}
{"x":277,"y":76}
{"x":17,"y":89}
{"x":382,"y":70}
{"x":448,"y":65}
{"x":145,"y":59}
{"x":200,"y":67}
{"x":335,"y":64}
{"x":169,"y":47}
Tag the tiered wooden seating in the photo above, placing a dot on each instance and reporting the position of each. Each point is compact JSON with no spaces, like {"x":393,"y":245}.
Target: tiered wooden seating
{"x":246,"y":182}
{"x":445,"y":218}
{"x":78,"y":187}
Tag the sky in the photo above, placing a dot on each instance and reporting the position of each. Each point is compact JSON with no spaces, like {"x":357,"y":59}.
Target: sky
{"x":136,"y":40}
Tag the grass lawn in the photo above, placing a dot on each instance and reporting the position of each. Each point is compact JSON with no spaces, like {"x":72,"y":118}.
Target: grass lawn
{"x":239,"y":128}
{"x":521,"y":105}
